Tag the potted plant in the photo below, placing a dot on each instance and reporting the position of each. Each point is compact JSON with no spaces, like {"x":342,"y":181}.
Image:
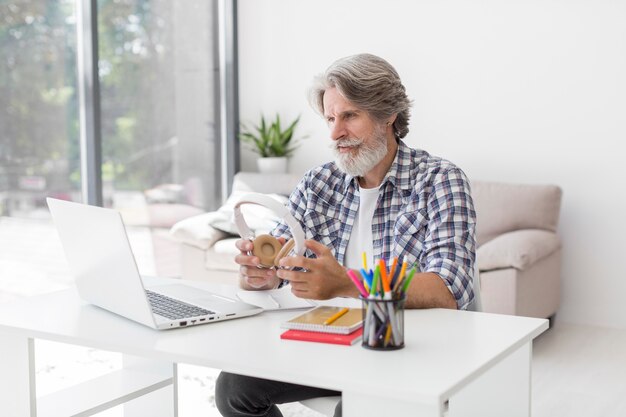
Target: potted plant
{"x":273,"y":144}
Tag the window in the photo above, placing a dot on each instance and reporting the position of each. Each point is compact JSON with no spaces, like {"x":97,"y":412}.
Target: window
{"x":158,"y":64}
{"x":159,"y":77}
{"x":39,"y":151}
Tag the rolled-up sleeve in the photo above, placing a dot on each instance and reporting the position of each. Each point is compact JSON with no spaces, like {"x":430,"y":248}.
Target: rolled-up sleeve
{"x":449,"y":248}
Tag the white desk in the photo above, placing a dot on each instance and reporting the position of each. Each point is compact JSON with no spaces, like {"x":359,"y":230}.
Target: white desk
{"x":478,"y":363}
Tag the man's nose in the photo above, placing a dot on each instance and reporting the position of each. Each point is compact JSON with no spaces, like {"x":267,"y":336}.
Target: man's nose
{"x":338,"y":130}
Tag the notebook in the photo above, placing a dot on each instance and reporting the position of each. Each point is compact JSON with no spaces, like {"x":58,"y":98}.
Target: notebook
{"x":100,"y":257}
{"x":319,"y":337}
{"x":313,"y":320}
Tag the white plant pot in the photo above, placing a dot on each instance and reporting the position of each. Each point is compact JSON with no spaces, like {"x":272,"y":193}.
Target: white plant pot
{"x":272,"y":165}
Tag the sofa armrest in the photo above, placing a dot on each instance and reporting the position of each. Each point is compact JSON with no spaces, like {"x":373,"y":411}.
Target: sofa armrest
{"x":518,"y":249}
{"x":196,"y":231}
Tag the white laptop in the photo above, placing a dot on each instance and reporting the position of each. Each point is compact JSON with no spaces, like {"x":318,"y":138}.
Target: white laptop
{"x":100,"y":257}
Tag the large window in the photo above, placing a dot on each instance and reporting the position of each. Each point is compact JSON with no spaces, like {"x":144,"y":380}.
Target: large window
{"x":39,"y":152}
{"x":158,"y":71}
{"x":158,"y":67}
{"x":159,"y":78}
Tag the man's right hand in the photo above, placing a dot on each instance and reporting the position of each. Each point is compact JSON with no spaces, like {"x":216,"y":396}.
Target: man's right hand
{"x":251,"y":277}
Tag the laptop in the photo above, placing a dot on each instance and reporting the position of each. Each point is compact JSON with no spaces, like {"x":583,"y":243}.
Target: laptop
{"x":98,"y":252}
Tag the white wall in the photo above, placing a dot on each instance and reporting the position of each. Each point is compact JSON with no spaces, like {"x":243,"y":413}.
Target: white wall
{"x":520,"y":91}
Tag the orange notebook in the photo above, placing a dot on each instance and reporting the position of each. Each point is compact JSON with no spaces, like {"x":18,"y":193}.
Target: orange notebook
{"x":337,"y":339}
{"x":313,"y":320}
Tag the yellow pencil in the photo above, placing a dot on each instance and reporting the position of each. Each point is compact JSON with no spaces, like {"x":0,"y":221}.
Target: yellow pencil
{"x":335,"y":316}
{"x":364,"y":256}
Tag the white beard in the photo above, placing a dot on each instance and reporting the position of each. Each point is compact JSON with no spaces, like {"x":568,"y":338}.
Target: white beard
{"x":366,"y":158}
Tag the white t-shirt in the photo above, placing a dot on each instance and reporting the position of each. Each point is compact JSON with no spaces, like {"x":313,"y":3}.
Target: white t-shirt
{"x":361,"y":239}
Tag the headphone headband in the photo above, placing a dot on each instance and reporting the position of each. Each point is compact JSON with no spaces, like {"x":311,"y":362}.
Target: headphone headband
{"x":268,"y":202}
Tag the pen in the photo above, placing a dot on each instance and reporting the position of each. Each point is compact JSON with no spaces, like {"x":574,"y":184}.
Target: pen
{"x":357,"y":282}
{"x":374,"y":286}
{"x":335,"y":316}
{"x":367,"y":277}
{"x":396,"y":285}
{"x":408,"y":279}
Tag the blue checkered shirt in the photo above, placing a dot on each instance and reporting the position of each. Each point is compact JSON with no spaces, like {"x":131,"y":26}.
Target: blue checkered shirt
{"x":424,"y":216}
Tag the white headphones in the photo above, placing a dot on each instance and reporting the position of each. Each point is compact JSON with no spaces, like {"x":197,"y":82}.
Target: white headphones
{"x":266,"y":247}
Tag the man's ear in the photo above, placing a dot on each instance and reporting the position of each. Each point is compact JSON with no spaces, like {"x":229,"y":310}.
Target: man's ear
{"x":392,"y":119}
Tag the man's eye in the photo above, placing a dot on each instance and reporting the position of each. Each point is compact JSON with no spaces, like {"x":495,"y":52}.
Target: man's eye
{"x":330,"y":119}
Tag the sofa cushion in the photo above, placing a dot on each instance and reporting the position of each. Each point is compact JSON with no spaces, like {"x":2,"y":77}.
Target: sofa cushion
{"x":196,"y":231}
{"x":222,"y":255}
{"x":517,"y":249}
{"x":502,"y":208}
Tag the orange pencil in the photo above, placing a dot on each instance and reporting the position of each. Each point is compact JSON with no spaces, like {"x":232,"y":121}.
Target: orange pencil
{"x":394,"y":265}
{"x":384,"y":277}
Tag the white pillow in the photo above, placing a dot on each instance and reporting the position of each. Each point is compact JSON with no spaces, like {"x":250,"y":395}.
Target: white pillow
{"x":196,"y":231}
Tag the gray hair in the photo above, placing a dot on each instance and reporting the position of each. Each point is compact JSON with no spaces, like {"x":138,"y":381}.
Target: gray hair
{"x":371,"y":84}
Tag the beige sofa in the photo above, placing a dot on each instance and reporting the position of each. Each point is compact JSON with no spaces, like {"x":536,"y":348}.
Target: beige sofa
{"x":518,"y":255}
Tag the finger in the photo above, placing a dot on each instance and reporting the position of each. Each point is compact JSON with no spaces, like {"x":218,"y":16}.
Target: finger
{"x":252,"y":271}
{"x":293,"y":276}
{"x":255,"y":282}
{"x":317,"y":248}
{"x":244,"y":245}
{"x":243,"y":259}
{"x":299,"y":292}
{"x":292,"y":261}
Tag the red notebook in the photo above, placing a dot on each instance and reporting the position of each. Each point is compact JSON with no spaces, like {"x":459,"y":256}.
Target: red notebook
{"x":337,"y":339}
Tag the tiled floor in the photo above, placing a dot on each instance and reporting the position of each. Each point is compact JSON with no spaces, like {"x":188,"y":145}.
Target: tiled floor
{"x":578,"y":371}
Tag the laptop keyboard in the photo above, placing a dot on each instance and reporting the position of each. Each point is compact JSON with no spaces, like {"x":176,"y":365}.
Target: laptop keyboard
{"x":173,"y":309}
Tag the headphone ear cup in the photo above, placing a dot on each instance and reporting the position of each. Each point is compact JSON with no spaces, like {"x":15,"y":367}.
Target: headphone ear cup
{"x":287,"y":247}
{"x":266,"y":247}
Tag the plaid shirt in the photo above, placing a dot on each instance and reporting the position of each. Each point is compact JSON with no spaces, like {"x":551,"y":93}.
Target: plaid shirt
{"x":424,"y":215}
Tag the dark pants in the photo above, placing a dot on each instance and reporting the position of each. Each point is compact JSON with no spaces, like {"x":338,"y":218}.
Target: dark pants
{"x":238,"y":395}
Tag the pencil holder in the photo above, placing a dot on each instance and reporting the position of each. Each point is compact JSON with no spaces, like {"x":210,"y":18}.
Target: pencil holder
{"x":383,"y":323}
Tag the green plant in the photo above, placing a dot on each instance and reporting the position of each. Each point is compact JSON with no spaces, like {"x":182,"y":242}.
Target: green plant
{"x":269,"y":139}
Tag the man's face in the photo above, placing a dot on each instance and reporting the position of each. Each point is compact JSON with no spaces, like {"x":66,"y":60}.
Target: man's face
{"x":359,"y":142}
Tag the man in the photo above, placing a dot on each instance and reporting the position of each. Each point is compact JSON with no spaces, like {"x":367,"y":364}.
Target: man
{"x":379,"y":197}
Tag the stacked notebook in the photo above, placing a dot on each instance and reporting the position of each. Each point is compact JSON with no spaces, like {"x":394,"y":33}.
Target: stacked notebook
{"x":324,"y":324}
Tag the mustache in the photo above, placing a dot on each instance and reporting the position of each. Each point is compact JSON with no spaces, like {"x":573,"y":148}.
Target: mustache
{"x":345,"y":142}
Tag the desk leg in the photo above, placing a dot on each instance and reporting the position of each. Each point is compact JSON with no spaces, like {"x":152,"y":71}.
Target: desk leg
{"x":361,"y":405}
{"x":160,"y":403}
{"x":503,"y":390}
{"x":17,"y":378}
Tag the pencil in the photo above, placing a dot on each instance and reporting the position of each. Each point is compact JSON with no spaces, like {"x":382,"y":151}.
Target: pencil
{"x":383,"y":276}
{"x":364,"y":255}
{"x":335,"y":316}
{"x":392,"y":272}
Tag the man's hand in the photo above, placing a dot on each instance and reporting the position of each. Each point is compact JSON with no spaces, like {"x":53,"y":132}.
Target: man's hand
{"x":324,"y":277}
{"x":251,"y":277}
